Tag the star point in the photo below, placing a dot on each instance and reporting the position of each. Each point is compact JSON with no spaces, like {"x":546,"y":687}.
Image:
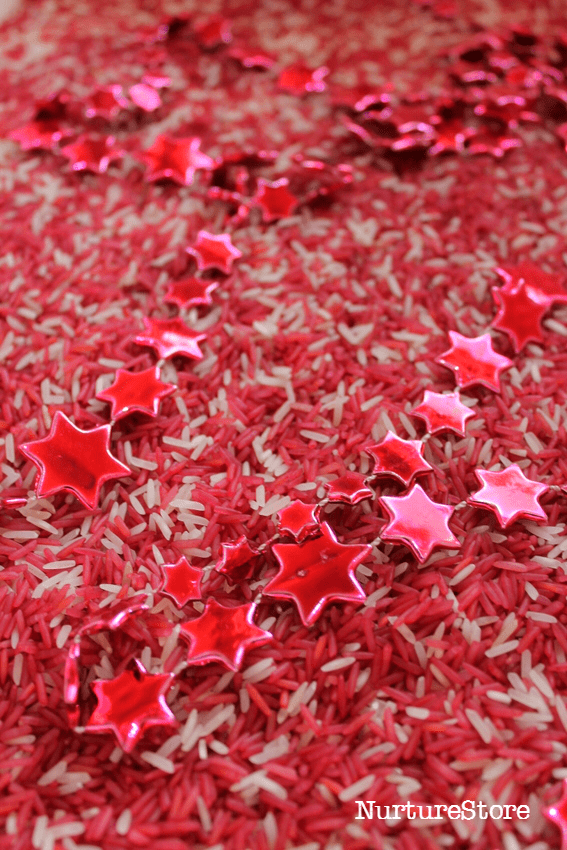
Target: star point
{"x":169,"y":337}
{"x":400,"y":459}
{"x":139,"y":392}
{"x":237,"y":560}
{"x":223,"y":634}
{"x":418,"y":522}
{"x":214,"y":252}
{"x":509,"y":494}
{"x":474,"y":361}
{"x":546,"y":288}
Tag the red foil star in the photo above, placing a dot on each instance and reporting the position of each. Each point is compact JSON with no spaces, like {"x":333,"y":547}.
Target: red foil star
{"x":237,"y":560}
{"x":190,"y":292}
{"x":223,"y":634}
{"x":400,"y":459}
{"x":181,"y":581}
{"x":106,"y":102}
{"x":443,"y":412}
{"x":317,"y":572}
{"x":275,"y":199}
{"x":298,"y":80}
{"x":170,"y":337}
{"x":509,"y":494}
{"x":214,"y":31}
{"x":350,"y":488}
{"x":519,"y":315}
{"x":418,"y":522}
{"x":92,"y":153}
{"x":495,"y":144}
{"x":474,"y":361}
{"x":299,"y":520}
{"x":130,"y":704}
{"x":176,"y":159}
{"x":40,"y":135}
{"x":547,"y":289}
{"x":214,"y":252}
{"x":74,"y":460}
{"x":114,"y":615}
{"x":145,"y":97}
{"x":557,"y":813}
{"x":136,"y":391}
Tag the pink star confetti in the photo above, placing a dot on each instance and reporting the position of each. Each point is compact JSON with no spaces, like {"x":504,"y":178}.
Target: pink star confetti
{"x":92,"y":153}
{"x":223,"y":634}
{"x":400,"y":459}
{"x":190,"y":292}
{"x":350,"y":488}
{"x":106,"y":102}
{"x":145,"y":97}
{"x":541,"y":286}
{"x":317,"y":572}
{"x":139,"y":392}
{"x":237,"y":561}
{"x":474,"y":361}
{"x":298,"y":79}
{"x":418,"y":522}
{"x":181,"y":581}
{"x":74,"y":460}
{"x":299,"y":520}
{"x":214,"y":252}
{"x":274,"y":199}
{"x":509,"y":494}
{"x":131,"y":703}
{"x":169,"y":337}
{"x":557,"y":814}
{"x":519,"y":315}
{"x":176,"y":159}
{"x":443,"y":412}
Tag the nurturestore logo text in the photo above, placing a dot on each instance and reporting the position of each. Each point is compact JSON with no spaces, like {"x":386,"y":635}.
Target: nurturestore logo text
{"x":467,"y":810}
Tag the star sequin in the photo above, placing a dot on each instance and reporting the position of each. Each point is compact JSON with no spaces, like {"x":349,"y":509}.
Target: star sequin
{"x":136,"y":391}
{"x":40,"y":135}
{"x":509,"y":494}
{"x":519,"y":315}
{"x":557,"y":813}
{"x":317,"y":572}
{"x":237,"y":560}
{"x":181,"y":581}
{"x":400,"y":459}
{"x":214,"y":31}
{"x":190,"y":292}
{"x":418,"y":522}
{"x":214,"y":252}
{"x":131,"y":703}
{"x":474,"y":361}
{"x":176,"y":159}
{"x":92,"y":153}
{"x":74,"y":460}
{"x":170,"y":337}
{"x":223,"y":634}
{"x":274,"y":199}
{"x":350,"y":488}
{"x":145,"y":97}
{"x":106,"y":102}
{"x":298,"y":79}
{"x":546,"y":288}
{"x":495,"y":144}
{"x":299,"y":520}
{"x":115,"y":615}
{"x":443,"y":412}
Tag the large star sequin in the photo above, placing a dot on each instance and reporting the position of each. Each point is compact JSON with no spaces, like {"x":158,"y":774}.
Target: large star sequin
{"x":139,"y":392}
{"x":223,"y":634}
{"x":557,"y":813}
{"x":42,"y":134}
{"x":350,"y":488}
{"x":75,"y":460}
{"x":130,"y":704}
{"x":509,"y":494}
{"x":170,"y":337}
{"x":400,"y":459}
{"x":106,"y":102}
{"x":92,"y":153}
{"x":214,"y":252}
{"x":541,"y":286}
{"x":474,"y":361}
{"x":190,"y":292}
{"x":317,"y":572}
{"x":275,"y":199}
{"x":297,"y":79}
{"x":237,"y":560}
{"x":519,"y":315}
{"x":176,"y":159}
{"x":418,"y":522}
{"x":443,"y":412}
{"x":181,"y":581}
{"x":299,"y":519}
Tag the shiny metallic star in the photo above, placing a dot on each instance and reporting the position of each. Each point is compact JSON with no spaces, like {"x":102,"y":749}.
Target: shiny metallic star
{"x":474,"y":361}
{"x":176,"y":159}
{"x":400,"y":459}
{"x":443,"y":412}
{"x":350,"y":488}
{"x":274,"y":199}
{"x":541,"y":286}
{"x":170,"y":337}
{"x":557,"y":813}
{"x":223,"y":634}
{"x":418,"y":522}
{"x":214,"y":252}
{"x":509,"y":494}
{"x":519,"y":315}
{"x":300,"y":520}
{"x":139,"y":392}
{"x":181,"y":581}
{"x":190,"y":292}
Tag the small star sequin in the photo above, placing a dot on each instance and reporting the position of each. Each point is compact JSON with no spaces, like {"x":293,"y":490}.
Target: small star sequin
{"x":418,"y":522}
{"x":474,"y":361}
{"x":214,"y":252}
{"x":443,"y":412}
{"x":299,"y":520}
{"x":74,"y":460}
{"x":213,"y":32}
{"x":223,"y":634}
{"x":181,"y":581}
{"x":317,"y":572}
{"x":131,"y":703}
{"x":237,"y":560}
{"x":139,"y":392}
{"x":92,"y":153}
{"x":298,"y":79}
{"x":509,"y":494}
{"x":145,"y":97}
{"x":106,"y":102}
{"x":190,"y":292}
{"x":115,"y":615}
{"x":400,"y":459}
{"x":546,"y":288}
{"x":176,"y":159}
{"x":519,"y":315}
{"x":274,"y":199}
{"x":557,"y":813}
{"x":40,"y":135}
{"x":169,"y":337}
{"x":350,"y":488}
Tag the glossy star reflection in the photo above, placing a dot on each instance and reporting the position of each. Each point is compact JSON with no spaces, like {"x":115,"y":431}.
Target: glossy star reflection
{"x":130,"y":704}
{"x":519,"y":315}
{"x":190,"y":292}
{"x":400,"y":459}
{"x":223,"y":634}
{"x":75,"y":460}
{"x":474,"y":361}
{"x":299,"y":520}
{"x":92,"y":153}
{"x":350,"y":488}
{"x":317,"y":572}
{"x":509,"y":494}
{"x":237,"y":560}
{"x":541,"y":286}
{"x":443,"y":412}
{"x":139,"y":392}
{"x":214,"y":252}
{"x":418,"y":522}
{"x":274,"y":199}
{"x":557,"y":813}
{"x":181,"y":581}
{"x":170,"y":337}
{"x":176,"y":159}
